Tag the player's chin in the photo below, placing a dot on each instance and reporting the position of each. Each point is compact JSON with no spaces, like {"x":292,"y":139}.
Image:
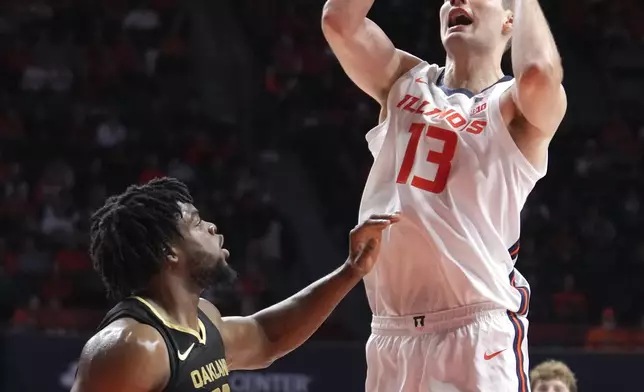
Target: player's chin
{"x":451,"y":38}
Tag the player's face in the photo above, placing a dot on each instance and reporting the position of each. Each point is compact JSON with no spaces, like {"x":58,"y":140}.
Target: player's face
{"x":206,"y":259}
{"x":474,"y":25}
{"x":550,"y":386}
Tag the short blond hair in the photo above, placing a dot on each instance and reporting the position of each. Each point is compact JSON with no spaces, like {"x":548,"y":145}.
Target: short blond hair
{"x":553,"y":370}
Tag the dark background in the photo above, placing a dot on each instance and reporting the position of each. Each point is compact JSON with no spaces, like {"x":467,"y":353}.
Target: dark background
{"x":243,"y":101}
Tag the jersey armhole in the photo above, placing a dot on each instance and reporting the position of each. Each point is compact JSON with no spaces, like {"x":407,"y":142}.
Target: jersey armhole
{"x":375,"y":137}
{"x":498,"y":125}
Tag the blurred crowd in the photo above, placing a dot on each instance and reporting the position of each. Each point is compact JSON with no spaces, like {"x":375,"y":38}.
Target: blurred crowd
{"x":580,"y":245}
{"x":99,"y":94}
{"x":94,"y":96}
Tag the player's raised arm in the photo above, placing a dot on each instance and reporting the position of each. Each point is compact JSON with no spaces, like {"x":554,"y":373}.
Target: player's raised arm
{"x":256,"y":341}
{"x":536,"y":64}
{"x":365,"y":52}
{"x":126,"y":357}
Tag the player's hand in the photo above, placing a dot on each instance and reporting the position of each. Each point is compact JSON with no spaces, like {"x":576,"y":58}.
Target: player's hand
{"x":364,"y":241}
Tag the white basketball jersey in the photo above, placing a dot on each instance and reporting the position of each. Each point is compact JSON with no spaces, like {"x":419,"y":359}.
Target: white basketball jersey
{"x":446,"y":160}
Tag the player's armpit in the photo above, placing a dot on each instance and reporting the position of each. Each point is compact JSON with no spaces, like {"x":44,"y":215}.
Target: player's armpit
{"x":541,"y":100}
{"x":126,"y":356}
{"x":366,"y":54}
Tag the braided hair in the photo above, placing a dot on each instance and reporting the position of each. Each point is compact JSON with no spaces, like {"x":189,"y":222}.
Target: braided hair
{"x":131,"y":234}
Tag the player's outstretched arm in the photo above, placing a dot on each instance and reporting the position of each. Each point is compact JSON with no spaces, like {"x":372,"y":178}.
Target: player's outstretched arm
{"x":256,"y":341}
{"x":365,"y":52}
{"x":127,"y":356}
{"x":538,"y":93}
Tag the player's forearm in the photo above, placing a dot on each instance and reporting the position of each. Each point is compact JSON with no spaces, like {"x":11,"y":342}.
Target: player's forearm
{"x":291,"y":322}
{"x":534,"y":51}
{"x":345,"y":16}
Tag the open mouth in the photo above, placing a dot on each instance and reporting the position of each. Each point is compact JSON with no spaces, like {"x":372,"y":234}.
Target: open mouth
{"x":459,"y":17}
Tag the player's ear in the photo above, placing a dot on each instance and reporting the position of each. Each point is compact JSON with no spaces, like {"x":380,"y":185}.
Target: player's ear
{"x":509,"y":23}
{"x":172,"y":255}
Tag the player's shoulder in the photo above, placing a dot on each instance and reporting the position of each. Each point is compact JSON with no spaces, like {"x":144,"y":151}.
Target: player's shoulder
{"x":129,"y":340}
{"x":123,"y":353}
{"x":414,"y":67}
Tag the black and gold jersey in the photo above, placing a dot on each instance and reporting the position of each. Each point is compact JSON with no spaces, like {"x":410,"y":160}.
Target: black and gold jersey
{"x":197,"y":358}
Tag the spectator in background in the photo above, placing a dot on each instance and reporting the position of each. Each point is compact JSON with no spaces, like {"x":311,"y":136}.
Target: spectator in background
{"x":552,"y":376}
{"x":637,"y":336}
{"x":570,"y":303}
{"x":151,"y":169}
{"x":607,"y":336}
{"x":142,"y":17}
{"x":94,"y":97}
{"x":8,"y":294}
{"x":27,"y":318}
{"x":33,"y":260}
{"x":119,"y":56}
{"x":111,"y":132}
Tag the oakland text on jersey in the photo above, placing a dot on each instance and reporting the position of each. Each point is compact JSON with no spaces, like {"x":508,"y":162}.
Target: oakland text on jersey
{"x":210,"y":372}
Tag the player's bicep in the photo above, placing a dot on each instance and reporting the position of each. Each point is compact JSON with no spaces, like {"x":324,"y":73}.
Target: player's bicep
{"x":129,"y":359}
{"x":368,"y":56}
{"x":247,"y":346}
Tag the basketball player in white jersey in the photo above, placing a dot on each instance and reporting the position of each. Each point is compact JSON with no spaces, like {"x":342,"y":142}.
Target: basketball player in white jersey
{"x":457,"y":151}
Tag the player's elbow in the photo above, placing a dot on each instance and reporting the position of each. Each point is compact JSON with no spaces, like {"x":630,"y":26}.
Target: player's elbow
{"x":334,"y":21}
{"x":266,"y":363}
{"x":330,"y":21}
{"x":264,"y":359}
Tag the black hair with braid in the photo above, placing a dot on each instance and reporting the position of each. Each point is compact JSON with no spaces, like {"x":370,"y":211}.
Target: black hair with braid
{"x":132,"y":233}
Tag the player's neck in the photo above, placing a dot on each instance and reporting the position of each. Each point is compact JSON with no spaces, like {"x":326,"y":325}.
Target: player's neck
{"x":472,"y":72}
{"x":179,"y":302}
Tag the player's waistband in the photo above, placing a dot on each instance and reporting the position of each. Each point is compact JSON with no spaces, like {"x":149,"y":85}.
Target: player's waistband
{"x":433,"y":322}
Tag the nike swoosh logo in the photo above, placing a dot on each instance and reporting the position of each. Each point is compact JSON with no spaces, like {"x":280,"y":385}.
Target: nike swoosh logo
{"x":487,"y":356}
{"x":419,"y":80}
{"x":184,"y":355}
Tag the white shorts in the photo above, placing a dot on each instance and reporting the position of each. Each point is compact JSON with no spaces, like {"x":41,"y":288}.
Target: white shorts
{"x":476,"y":348}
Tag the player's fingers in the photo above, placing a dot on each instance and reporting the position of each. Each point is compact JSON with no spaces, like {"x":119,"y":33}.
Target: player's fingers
{"x":376,"y":223}
{"x":395,"y":217}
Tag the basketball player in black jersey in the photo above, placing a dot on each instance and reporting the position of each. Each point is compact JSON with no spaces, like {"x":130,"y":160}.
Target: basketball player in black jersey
{"x":156,"y":254}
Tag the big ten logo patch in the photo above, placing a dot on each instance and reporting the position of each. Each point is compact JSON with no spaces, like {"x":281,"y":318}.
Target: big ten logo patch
{"x":479,"y":104}
{"x":478,"y":109}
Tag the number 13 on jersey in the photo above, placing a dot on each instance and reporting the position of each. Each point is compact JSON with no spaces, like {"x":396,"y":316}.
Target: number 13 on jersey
{"x":443,"y":159}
